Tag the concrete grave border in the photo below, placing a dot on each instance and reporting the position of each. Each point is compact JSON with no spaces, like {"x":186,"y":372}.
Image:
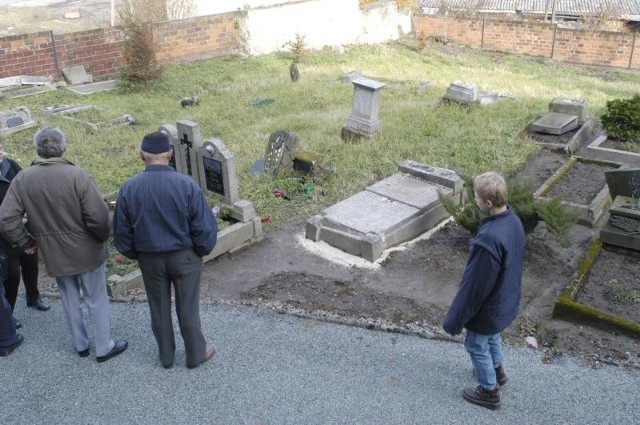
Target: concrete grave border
{"x":588,"y":215}
{"x":567,"y":307}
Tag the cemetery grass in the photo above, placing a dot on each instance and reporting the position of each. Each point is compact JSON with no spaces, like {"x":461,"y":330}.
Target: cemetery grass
{"x":416,"y":125}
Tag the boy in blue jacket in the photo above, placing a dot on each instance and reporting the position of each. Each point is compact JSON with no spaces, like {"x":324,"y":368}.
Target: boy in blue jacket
{"x":489,"y":295}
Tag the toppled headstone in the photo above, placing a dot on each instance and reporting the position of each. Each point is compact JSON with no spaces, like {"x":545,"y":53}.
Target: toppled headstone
{"x":555,"y":123}
{"x":312,"y":164}
{"x":15,"y":120}
{"x":462,"y":92}
{"x":77,"y":75}
{"x":279,"y":154}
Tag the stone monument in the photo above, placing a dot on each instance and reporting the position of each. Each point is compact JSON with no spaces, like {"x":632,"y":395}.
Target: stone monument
{"x":14,"y":120}
{"x":623,"y":227}
{"x":363,"y":123}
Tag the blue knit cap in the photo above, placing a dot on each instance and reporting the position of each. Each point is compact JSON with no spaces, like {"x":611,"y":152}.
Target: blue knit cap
{"x":157,"y":142}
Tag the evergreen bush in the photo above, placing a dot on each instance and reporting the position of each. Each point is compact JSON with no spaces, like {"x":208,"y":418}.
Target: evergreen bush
{"x":621,"y":119}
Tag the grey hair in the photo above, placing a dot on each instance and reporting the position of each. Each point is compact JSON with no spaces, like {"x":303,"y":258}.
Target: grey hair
{"x":50,"y":142}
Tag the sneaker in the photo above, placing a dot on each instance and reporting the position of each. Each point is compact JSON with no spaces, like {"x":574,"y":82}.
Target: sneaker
{"x":501,"y":377}
{"x":482,"y":397}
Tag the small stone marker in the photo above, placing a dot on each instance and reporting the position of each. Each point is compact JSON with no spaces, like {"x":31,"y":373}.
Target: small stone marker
{"x":15,"y":120}
{"x":555,"y":123}
{"x":363,"y":121}
{"x":76,"y":75}
{"x":462,"y":92}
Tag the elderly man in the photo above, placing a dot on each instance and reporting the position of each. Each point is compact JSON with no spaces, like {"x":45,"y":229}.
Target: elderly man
{"x":162,"y":219}
{"x":69,"y":222}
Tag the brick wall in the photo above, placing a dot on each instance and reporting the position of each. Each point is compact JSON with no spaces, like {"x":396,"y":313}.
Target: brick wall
{"x":621,"y":50}
{"x":99,"y":51}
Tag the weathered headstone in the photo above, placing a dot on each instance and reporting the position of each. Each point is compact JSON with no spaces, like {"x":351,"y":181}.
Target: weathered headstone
{"x":313,"y":164}
{"x":570,"y":107}
{"x":555,"y":123}
{"x":623,"y":227}
{"x":363,"y":121}
{"x":279,"y":154}
{"x":189,"y":138}
{"x":15,"y":120}
{"x":462,"y":92}
{"x":77,"y":75}
{"x":217,"y":171}
{"x":177,"y":161}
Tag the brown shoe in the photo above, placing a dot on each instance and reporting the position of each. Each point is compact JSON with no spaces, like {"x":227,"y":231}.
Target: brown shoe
{"x":208,"y":353}
{"x":482,"y":397}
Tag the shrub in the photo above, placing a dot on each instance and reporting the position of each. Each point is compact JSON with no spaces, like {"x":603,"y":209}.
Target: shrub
{"x":139,"y":51}
{"x":621,"y":119}
{"x":529,"y":209}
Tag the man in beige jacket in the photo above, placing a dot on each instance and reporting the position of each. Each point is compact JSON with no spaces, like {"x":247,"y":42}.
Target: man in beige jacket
{"x":69,"y":222}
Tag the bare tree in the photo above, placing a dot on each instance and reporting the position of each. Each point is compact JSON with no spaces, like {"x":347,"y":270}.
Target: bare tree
{"x":161,"y":10}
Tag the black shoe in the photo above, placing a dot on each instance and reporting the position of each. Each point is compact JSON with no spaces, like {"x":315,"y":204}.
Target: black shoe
{"x":118,"y":348}
{"x":17,"y":324}
{"x":208,"y":353}
{"x":38,"y":304}
{"x":167,"y":366}
{"x":482,"y":397}
{"x":501,"y":377}
{"x":84,"y":353}
{"x":5,"y":351}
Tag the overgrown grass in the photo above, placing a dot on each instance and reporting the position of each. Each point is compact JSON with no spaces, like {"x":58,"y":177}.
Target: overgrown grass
{"x":415,"y":126}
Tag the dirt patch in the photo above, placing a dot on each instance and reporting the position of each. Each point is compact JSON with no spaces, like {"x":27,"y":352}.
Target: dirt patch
{"x":581,"y":184}
{"x":613,"y":285}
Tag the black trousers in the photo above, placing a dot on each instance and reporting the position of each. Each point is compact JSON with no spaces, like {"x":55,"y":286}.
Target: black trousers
{"x":27,"y":266}
{"x":180,"y":269}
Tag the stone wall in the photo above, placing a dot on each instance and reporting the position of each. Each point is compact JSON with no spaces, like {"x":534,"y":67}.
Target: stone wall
{"x":615,"y":49}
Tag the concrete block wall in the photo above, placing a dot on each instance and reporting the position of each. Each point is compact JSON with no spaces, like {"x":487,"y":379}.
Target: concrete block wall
{"x":621,"y":50}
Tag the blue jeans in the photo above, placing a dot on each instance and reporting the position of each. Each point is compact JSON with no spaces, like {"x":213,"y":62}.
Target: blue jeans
{"x":486,"y":355}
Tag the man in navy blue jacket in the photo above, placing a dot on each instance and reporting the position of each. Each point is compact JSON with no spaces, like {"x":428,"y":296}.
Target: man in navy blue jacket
{"x":163,"y":220}
{"x":489,"y":295}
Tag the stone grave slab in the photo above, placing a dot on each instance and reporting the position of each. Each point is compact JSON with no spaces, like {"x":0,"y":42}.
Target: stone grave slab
{"x":462,"y":92}
{"x":385,"y":214}
{"x":409,"y":190}
{"x":555,"y":123}
{"x":76,"y":75}
{"x":90,"y":88}
{"x":15,"y":120}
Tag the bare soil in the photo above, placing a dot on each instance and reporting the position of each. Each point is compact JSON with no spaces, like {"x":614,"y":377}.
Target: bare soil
{"x":413,"y":287}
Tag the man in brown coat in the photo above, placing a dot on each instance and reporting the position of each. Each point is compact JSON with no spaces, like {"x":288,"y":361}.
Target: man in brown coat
{"x":69,"y":223}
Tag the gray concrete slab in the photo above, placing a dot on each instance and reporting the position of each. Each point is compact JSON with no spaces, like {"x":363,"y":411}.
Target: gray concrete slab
{"x":77,"y":75}
{"x":408,"y":190}
{"x":94,"y":87}
{"x":368,"y":212}
{"x":555,"y":123}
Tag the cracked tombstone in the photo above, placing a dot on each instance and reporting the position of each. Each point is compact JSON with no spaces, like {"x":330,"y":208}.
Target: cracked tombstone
{"x":280,"y":152}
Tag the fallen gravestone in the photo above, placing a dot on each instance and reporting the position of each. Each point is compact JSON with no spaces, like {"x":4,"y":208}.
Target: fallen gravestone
{"x":623,"y":227}
{"x":15,"y":120}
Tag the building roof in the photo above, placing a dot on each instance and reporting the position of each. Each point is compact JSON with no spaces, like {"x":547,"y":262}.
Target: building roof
{"x":626,"y":9}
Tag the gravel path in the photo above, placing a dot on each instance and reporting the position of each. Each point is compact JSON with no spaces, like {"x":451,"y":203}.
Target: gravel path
{"x":277,"y":369}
